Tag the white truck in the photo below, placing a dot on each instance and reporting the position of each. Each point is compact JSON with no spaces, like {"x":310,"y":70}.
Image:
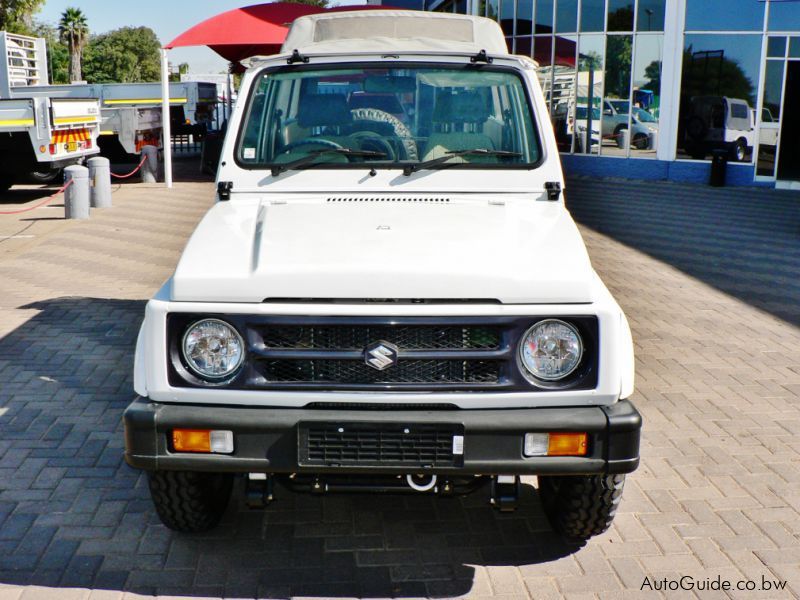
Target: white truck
{"x":126,"y":116}
{"x":131,"y":112}
{"x":388,"y":302}
{"x":39,"y":134}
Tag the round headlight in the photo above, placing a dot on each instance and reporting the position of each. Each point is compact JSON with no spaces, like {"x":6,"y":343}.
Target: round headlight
{"x":551,"y":350}
{"x":213,"y":349}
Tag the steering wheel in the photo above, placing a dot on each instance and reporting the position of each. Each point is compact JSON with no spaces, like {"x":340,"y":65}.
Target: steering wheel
{"x":408,"y":145}
{"x":369,"y":140}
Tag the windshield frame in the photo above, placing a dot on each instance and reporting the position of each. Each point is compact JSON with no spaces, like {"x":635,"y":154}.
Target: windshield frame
{"x":397,"y":165}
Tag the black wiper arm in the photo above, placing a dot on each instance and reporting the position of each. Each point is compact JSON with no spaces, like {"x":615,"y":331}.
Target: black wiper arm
{"x":311,"y":156}
{"x":409,"y":169}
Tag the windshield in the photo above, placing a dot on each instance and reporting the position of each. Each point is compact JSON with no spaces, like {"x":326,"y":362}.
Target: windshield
{"x":621,"y":106}
{"x":389,"y":117}
{"x":644,"y":116}
{"x":582,"y":112}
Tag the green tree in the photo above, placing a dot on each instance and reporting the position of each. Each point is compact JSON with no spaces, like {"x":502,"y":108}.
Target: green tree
{"x":175,"y":74}
{"x":74,"y":31}
{"x":712,"y":74}
{"x":618,"y":66}
{"x":126,"y":55}
{"x":16,"y":16}
{"x":57,"y":52}
{"x":653,"y":73}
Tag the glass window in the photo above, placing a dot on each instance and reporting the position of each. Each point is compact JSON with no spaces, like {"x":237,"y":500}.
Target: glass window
{"x":492,"y":8}
{"x":776,"y":47}
{"x":651,"y":15}
{"x":507,"y":17}
{"x":589,"y":93}
{"x":524,"y":17}
{"x":725,"y":15}
{"x":523,"y":45}
{"x":593,"y":15}
{"x":387,"y":117}
{"x":615,"y":106}
{"x":543,"y":50}
{"x":646,"y":96}
{"x":563,"y":87}
{"x":784,"y":16}
{"x":719,"y":71}
{"x":773,"y":85}
{"x":770,"y":118}
{"x":794,"y":46}
{"x":620,"y":15}
{"x":544,"y":16}
{"x":567,"y":16}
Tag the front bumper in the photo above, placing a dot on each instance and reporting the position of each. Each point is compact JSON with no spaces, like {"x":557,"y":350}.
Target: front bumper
{"x":268,"y":440}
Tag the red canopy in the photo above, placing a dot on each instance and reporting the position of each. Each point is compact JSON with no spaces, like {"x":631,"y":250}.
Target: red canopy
{"x":244,"y":32}
{"x":256,"y":30}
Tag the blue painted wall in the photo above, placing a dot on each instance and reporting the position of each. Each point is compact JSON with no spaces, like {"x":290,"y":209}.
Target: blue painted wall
{"x":660,"y":170}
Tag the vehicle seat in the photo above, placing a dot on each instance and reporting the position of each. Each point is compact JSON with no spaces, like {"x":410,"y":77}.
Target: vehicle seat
{"x":459,"y":119}
{"x":326,"y":116}
{"x":320,"y":116}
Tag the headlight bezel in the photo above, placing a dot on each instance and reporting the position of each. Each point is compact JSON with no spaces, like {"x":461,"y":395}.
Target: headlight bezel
{"x":575,"y":373}
{"x":198,"y":374}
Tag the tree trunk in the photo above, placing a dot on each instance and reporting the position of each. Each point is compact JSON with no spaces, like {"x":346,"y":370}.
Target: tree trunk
{"x":75,"y":64}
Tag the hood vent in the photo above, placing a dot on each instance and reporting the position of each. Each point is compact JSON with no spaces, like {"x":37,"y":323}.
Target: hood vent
{"x":413,"y":199}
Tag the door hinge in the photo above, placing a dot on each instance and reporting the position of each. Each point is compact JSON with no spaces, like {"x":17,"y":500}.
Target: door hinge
{"x":553,"y":189}
{"x":224,"y":190}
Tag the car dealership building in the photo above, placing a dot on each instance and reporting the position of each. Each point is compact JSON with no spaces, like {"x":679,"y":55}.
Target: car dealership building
{"x":654,"y":89}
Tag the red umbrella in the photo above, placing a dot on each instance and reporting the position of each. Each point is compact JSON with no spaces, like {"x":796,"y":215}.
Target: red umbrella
{"x":244,"y":32}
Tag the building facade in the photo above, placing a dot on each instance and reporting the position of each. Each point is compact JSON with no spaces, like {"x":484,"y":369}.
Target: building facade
{"x":653,"y":89}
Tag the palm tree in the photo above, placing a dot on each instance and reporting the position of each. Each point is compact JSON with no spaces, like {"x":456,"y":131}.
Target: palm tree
{"x":74,"y":31}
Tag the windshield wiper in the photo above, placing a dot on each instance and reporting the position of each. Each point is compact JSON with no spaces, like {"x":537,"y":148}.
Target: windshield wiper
{"x":409,"y":169}
{"x":311,"y":156}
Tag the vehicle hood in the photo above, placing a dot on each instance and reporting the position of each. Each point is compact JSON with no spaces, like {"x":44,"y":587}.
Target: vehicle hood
{"x":516,"y":249}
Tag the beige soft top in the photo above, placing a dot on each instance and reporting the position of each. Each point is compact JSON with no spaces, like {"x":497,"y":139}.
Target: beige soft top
{"x":394,"y":31}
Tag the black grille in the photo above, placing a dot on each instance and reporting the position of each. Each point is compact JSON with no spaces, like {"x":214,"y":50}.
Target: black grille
{"x":358,"y":372}
{"x":371,"y":444}
{"x":429,"y":353}
{"x":405,"y":337}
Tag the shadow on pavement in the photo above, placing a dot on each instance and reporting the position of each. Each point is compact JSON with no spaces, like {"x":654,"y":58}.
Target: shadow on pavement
{"x":72,"y":514}
{"x":742,"y":241}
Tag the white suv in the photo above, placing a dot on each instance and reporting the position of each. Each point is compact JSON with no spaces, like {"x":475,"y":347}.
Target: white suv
{"x":390,"y":302}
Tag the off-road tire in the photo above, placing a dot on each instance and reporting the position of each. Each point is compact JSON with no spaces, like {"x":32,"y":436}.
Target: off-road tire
{"x":581,"y":507}
{"x":188,"y":501}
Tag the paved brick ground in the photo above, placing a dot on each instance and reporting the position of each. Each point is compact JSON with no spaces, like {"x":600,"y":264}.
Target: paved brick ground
{"x":709,"y":282}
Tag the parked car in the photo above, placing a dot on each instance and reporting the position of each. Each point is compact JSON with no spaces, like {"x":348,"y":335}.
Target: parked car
{"x":404,"y":310}
{"x":718,"y":123}
{"x":615,"y":121}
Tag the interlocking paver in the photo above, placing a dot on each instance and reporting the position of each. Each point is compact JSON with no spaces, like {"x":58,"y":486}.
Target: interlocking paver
{"x":709,"y":279}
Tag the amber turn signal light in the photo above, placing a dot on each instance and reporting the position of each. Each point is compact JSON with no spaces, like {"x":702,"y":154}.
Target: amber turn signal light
{"x":191,"y":440}
{"x":567,"y":444}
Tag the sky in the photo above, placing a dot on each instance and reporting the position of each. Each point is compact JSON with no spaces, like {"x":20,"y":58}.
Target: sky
{"x":168,"y":18}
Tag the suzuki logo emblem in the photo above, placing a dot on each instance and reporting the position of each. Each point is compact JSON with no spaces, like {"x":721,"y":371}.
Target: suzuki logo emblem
{"x":381,"y":355}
